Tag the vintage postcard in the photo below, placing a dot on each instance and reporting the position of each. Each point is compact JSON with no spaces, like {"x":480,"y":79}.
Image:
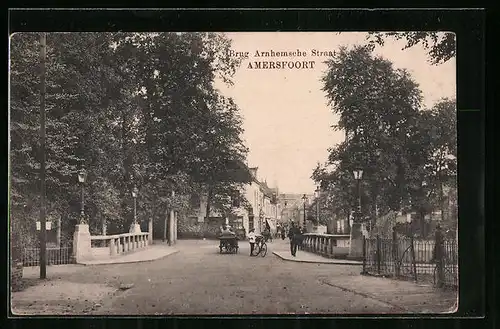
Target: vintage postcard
{"x":233,"y":173}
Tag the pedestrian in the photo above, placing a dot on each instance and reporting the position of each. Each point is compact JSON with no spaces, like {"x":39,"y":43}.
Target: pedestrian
{"x":251,"y":240}
{"x":300,"y":237}
{"x":294,"y":235}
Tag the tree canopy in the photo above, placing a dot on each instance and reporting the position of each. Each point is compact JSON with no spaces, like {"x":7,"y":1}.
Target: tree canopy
{"x":440,"y":46}
{"x":405,"y":151}
{"x":133,"y":109}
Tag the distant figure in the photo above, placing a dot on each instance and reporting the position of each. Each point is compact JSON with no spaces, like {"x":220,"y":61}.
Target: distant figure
{"x":251,"y":240}
{"x":300,"y":237}
{"x":295,"y":237}
{"x":283,"y":233}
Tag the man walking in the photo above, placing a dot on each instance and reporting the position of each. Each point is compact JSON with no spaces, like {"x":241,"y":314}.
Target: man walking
{"x":294,"y":235}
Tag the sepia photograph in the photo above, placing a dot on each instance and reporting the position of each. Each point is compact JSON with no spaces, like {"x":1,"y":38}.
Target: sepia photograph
{"x":233,"y":173}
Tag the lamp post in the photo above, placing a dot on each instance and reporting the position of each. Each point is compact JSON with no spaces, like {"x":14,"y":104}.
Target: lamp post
{"x":358,"y":174}
{"x":356,"y":234}
{"x":304,"y":197}
{"x":82,"y":176}
{"x":135,"y":191}
{"x":317,"y":194}
{"x":43,"y":228}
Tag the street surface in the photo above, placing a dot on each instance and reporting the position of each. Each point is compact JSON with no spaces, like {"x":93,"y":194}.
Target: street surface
{"x":199,"y":280}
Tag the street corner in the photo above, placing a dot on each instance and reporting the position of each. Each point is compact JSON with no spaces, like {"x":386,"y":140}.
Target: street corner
{"x":404,"y":296}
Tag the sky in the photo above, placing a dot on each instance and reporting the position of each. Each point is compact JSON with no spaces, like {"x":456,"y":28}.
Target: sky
{"x":287,"y":122}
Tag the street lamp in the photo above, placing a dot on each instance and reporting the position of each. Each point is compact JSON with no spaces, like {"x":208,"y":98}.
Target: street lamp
{"x":358,"y":174}
{"x":135,"y":191}
{"x":82,"y":175}
{"x":304,"y":197}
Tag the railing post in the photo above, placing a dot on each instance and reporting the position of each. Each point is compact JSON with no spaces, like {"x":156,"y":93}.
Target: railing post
{"x":379,"y":256}
{"x":395,"y":253}
{"x":413,"y":260}
{"x":438,"y":256}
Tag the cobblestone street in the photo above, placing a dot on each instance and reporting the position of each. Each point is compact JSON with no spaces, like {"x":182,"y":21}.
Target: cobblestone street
{"x":199,"y":280}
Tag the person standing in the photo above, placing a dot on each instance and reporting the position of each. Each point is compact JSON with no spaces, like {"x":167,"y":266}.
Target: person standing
{"x":294,"y":235}
{"x":251,"y":240}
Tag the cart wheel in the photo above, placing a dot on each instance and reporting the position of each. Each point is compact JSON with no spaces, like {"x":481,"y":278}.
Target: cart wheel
{"x":263,"y":250}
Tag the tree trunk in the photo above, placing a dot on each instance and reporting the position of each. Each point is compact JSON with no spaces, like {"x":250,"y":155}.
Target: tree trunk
{"x":209,"y":198}
{"x":423,"y":230}
{"x":103,"y":223}
{"x":58,"y":234}
{"x":165,"y":223}
{"x":441,"y":197}
{"x":348,"y":222}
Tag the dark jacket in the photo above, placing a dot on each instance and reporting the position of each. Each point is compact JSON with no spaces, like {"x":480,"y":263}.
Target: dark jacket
{"x":295,"y":235}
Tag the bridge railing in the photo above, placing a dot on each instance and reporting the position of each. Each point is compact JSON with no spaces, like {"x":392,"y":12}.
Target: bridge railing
{"x":327,"y":245}
{"x":111,"y":245}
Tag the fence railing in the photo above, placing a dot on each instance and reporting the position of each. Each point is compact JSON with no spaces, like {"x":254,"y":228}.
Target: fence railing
{"x":111,"y":245}
{"x":433,"y":261}
{"x":327,"y":245}
{"x":55,"y":256}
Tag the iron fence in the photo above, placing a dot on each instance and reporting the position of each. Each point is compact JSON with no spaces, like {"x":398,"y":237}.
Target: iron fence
{"x":434,"y":261}
{"x":55,"y":256}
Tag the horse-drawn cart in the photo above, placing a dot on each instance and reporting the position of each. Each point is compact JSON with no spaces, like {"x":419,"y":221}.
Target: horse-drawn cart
{"x":228,"y":244}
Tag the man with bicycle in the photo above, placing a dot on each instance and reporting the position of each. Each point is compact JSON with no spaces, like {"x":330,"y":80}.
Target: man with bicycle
{"x":251,"y":240}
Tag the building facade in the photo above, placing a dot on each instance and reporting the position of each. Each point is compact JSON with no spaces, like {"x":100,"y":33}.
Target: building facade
{"x":262,"y":207}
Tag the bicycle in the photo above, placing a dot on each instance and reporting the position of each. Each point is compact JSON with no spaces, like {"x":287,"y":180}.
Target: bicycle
{"x":260,"y":247}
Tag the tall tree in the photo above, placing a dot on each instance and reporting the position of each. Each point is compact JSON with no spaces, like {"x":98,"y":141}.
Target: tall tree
{"x":440,"y":46}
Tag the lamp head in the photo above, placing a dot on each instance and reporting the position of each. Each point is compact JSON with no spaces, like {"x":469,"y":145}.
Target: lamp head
{"x":135,"y":191}
{"x":82,"y":175}
{"x":358,"y":173}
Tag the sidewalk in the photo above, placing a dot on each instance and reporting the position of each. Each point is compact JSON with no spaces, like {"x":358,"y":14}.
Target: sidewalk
{"x":148,"y":254}
{"x":403,"y":296}
{"x":281,"y":248}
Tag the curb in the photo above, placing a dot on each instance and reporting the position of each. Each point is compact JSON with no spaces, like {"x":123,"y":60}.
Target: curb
{"x":131,"y":261}
{"x":316,"y":262}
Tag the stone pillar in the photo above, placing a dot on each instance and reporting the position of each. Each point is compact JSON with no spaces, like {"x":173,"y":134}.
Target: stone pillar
{"x":171,"y":236}
{"x":150,"y":231}
{"x":356,"y":241}
{"x":82,"y":249}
